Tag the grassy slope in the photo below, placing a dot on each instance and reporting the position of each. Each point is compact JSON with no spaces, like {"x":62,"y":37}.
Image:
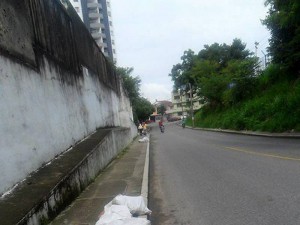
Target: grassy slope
{"x":277,"y":109}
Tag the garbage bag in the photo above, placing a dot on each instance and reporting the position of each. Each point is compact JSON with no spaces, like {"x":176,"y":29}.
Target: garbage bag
{"x":121,"y":209}
{"x":144,"y":139}
{"x":135,"y":204}
{"x":130,"y":221}
{"x":114,"y":213}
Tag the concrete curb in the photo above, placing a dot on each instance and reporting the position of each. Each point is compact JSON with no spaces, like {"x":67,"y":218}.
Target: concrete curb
{"x":250,"y":133}
{"x":144,"y":190}
{"x":48,"y":191}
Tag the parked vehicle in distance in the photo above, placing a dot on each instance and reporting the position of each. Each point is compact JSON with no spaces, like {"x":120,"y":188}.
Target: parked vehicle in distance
{"x":174,"y":118}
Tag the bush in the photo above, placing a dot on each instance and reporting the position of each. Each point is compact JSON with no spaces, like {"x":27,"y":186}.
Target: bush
{"x":275,"y":110}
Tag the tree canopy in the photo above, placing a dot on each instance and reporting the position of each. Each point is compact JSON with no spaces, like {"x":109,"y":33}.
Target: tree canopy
{"x":283,"y":21}
{"x":141,"y":107}
{"x":161,"y":109}
{"x":222,"y":74}
{"x":131,"y":84}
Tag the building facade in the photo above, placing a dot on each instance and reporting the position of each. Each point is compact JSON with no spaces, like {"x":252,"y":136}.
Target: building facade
{"x":181,"y":103}
{"x":96,"y":15}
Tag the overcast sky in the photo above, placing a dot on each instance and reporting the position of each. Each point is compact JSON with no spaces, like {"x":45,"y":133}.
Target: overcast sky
{"x":151,"y":35}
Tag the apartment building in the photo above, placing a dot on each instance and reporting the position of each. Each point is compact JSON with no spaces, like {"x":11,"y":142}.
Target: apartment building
{"x":182,"y":103}
{"x":96,"y":15}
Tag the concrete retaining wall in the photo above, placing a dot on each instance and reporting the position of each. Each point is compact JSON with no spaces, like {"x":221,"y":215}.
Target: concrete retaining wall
{"x":56,"y":87}
{"x":74,"y":182}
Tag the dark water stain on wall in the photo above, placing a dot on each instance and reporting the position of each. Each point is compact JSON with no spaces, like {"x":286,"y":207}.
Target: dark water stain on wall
{"x":33,"y":30}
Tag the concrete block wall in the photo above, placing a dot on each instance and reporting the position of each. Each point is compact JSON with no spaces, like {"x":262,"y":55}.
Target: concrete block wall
{"x":75,"y":182}
{"x":56,"y":87}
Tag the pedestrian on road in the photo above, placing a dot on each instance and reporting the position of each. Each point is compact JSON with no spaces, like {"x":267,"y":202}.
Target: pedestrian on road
{"x":183,"y":122}
{"x":140,"y":129}
{"x":161,"y":126}
{"x":144,"y":125}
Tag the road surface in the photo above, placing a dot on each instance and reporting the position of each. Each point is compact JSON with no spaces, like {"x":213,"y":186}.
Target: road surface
{"x":209,"y":178}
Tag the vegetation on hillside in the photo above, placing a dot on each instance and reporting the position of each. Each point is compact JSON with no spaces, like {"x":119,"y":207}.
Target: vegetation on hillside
{"x":141,"y":107}
{"x":235,"y":93}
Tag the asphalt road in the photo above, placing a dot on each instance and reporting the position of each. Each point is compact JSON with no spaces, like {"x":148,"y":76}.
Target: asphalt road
{"x":210,"y":178}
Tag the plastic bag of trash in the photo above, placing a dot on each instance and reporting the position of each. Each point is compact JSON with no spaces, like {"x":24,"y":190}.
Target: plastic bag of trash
{"x":114,"y":213}
{"x":130,"y":221}
{"x":144,"y":139}
{"x":135,"y":204}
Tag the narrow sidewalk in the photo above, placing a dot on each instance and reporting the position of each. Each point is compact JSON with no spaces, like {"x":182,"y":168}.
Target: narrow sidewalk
{"x":123,"y":176}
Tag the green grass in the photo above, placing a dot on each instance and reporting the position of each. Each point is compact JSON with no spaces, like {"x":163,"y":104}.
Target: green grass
{"x":274,"y":109}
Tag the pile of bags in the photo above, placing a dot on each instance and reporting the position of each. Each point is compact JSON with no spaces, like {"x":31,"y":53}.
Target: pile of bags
{"x":124,"y":210}
{"x":144,"y":139}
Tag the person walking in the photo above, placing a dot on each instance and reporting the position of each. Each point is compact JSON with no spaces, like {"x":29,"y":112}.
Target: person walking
{"x":161,"y":126}
{"x":144,"y":125}
{"x":183,"y":122}
{"x":140,"y":129}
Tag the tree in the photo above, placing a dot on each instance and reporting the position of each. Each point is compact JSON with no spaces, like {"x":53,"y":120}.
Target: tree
{"x":161,"y":109}
{"x":222,"y":54}
{"x":216,"y":69}
{"x":223,"y":72}
{"x":131,"y":84}
{"x":241,"y":80}
{"x":238,"y":51}
{"x":283,"y":21}
{"x":181,"y":72}
{"x":141,"y":107}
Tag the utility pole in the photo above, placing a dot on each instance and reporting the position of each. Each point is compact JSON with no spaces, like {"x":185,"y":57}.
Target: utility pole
{"x":256,"y":47}
{"x":180,"y":90}
{"x":265,"y":58}
{"x":192,"y":110}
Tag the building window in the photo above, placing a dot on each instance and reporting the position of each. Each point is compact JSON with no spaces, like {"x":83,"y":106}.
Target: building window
{"x":77,"y":9}
{"x":75,"y":0}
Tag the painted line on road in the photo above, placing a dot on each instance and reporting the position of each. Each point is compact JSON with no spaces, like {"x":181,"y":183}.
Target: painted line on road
{"x":262,"y":154}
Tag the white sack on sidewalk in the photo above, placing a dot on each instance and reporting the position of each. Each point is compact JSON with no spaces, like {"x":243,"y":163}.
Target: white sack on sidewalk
{"x":144,"y":139}
{"x":135,"y":204}
{"x":130,"y":221}
{"x":114,"y":213}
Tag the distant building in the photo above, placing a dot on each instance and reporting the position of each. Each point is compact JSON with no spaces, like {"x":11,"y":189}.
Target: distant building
{"x":181,"y":103}
{"x":96,"y":15}
{"x":157,"y":115}
{"x":167,"y":105}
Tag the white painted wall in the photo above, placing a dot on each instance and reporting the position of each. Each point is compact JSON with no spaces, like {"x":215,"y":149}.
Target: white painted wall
{"x":41,"y":116}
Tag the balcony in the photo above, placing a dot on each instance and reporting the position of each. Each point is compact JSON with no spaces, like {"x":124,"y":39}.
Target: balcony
{"x":102,"y":26}
{"x":176,"y":101}
{"x":95,"y":25}
{"x":94,"y":15}
{"x":96,"y":35}
{"x":104,"y":44}
{"x":94,"y":5}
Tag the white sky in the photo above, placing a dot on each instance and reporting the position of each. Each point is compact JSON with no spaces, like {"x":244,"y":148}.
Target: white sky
{"x":151,"y":35}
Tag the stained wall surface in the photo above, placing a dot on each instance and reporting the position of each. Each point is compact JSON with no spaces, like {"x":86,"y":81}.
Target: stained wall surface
{"x":56,"y":87}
